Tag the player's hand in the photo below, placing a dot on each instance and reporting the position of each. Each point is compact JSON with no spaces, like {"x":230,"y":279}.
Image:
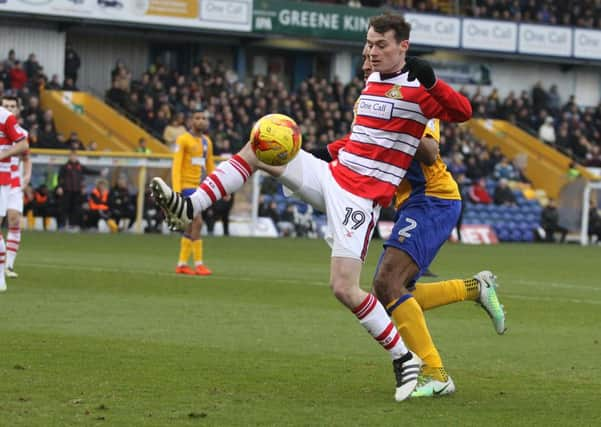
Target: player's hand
{"x":421,"y":70}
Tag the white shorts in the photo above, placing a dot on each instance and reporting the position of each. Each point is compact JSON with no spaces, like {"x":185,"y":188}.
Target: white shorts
{"x":15,"y":199}
{"x":4,"y":194}
{"x":351,"y":219}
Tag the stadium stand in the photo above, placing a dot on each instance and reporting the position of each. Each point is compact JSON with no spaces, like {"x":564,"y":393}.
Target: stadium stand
{"x":161,"y":98}
{"x":580,"y":14}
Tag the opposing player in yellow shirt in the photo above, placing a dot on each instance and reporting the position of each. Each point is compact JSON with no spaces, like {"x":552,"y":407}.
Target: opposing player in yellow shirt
{"x":194,"y":153}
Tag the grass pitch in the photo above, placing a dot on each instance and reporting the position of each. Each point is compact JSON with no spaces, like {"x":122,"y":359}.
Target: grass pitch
{"x":98,"y":331}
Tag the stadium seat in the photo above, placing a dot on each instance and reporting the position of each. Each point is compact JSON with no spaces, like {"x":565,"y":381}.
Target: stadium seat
{"x":516,"y":235}
{"x":528,"y":236}
{"x":503,"y":234}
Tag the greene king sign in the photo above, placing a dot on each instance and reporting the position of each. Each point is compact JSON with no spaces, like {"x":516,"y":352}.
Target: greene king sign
{"x":311,"y":20}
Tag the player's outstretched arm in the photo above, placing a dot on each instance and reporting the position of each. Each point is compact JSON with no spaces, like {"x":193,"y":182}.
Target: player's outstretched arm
{"x":444,"y":102}
{"x":15,"y":150}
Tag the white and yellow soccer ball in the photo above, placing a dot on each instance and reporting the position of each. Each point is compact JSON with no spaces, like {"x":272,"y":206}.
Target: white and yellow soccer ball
{"x":275,"y":139}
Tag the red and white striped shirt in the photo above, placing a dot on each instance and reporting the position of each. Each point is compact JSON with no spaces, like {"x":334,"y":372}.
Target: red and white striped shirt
{"x":10,"y":133}
{"x":391,"y":115}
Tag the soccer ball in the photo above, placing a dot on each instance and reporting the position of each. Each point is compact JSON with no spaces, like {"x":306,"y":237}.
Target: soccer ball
{"x":275,"y":139}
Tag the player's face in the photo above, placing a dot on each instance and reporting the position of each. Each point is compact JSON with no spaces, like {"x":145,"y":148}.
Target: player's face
{"x":386,"y":54}
{"x":11,"y":106}
{"x":366,"y":67}
{"x":200,"y":121}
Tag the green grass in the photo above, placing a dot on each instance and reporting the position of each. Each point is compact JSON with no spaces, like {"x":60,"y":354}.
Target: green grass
{"x":98,"y":331}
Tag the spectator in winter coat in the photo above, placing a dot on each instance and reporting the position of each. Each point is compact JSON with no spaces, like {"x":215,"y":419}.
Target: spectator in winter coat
{"x":503,"y":194}
{"x":478,"y":193}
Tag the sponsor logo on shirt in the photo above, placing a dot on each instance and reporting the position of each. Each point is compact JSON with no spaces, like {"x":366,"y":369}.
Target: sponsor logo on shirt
{"x":373,"y":108}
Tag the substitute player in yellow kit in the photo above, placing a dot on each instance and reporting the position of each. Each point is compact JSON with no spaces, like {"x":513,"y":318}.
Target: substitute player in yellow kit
{"x":194,"y":153}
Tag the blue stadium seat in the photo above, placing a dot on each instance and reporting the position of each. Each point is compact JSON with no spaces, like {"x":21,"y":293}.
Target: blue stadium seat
{"x":516,"y":235}
{"x":503,"y":234}
{"x":528,"y":236}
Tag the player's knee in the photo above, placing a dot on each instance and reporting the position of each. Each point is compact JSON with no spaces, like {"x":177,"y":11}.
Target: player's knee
{"x":390,"y":282}
{"x":13,"y":218}
{"x":341,"y":290}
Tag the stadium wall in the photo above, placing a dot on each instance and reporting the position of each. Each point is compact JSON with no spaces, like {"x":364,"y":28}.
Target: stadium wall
{"x":46,"y":40}
{"x":582,"y":81}
{"x":512,"y":74}
{"x":100,"y":50}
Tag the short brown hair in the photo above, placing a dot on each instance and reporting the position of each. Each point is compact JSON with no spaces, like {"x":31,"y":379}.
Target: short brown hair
{"x":391,"y":21}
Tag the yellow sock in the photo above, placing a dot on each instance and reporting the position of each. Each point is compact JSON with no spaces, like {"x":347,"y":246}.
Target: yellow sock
{"x":112,"y":225}
{"x":432,"y":295}
{"x":30,"y":220}
{"x":197,"y":251}
{"x":411,"y":323}
{"x":47,"y":222}
{"x":185,"y":247}
{"x":439,"y":374}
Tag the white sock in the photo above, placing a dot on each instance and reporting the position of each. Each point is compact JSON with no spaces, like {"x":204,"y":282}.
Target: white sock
{"x":373,"y":316}
{"x":229,"y":177}
{"x":13,"y":240}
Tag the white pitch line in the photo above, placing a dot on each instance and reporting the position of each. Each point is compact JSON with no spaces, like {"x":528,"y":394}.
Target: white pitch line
{"x":551,"y":299}
{"x":166,"y":274}
{"x":313,"y":283}
{"x":561,"y":285}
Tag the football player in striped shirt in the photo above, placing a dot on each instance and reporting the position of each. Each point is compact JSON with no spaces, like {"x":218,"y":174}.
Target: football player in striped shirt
{"x":13,"y":142}
{"x":15,"y":197}
{"x":392,"y":112}
{"x":429,"y":203}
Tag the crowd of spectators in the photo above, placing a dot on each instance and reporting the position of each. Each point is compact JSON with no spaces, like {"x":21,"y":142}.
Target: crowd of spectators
{"x":162,"y":98}
{"x":574,"y":130}
{"x":24,"y":79}
{"x":581,"y":13}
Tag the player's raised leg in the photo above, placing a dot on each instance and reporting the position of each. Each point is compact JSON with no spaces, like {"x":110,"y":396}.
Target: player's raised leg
{"x":481,"y":288}
{"x":227,"y":178}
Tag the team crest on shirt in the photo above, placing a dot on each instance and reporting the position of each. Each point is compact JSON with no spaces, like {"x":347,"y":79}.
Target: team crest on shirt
{"x":394,"y":92}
